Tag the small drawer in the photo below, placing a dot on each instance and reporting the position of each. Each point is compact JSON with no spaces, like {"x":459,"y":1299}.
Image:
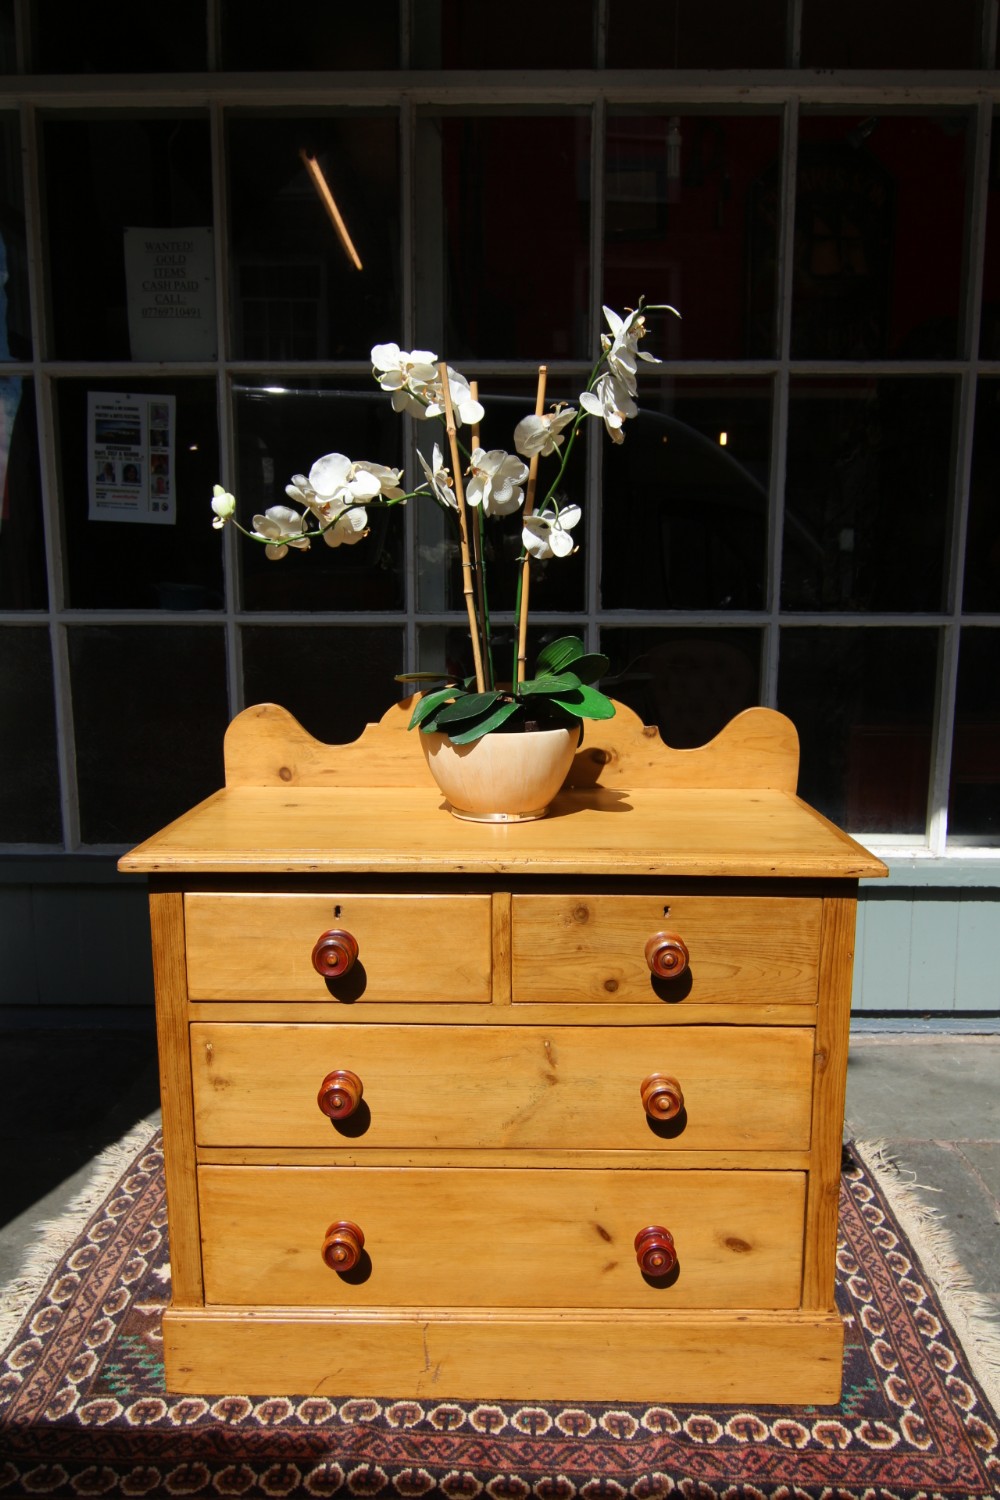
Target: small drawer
{"x":391,"y":947}
{"x":740,"y":1088}
{"x":709,"y":950}
{"x":500,"y":1237}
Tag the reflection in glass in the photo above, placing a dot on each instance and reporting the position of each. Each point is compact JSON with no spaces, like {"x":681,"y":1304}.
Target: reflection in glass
{"x":532,"y":304}
{"x":310,"y":34}
{"x":974,"y":801}
{"x":982,"y":548}
{"x":29,"y":767}
{"x":15,"y":318}
{"x":867,"y":493}
{"x":118,"y":36}
{"x":697,"y":34}
{"x":685,"y":498}
{"x":689,"y":683}
{"x":149,"y":714}
{"x":23,"y":583}
{"x":691,"y":220}
{"x":869,"y":190}
{"x":334,"y":679}
{"x":525,"y":35}
{"x":862,"y":702}
{"x":893,"y":34}
{"x":116,"y":564}
{"x":113,"y":173}
{"x":295,"y":292}
{"x":280,"y":432}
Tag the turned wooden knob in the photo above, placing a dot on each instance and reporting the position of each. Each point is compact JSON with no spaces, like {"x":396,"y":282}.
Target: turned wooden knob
{"x":335,"y":953}
{"x":654,"y":1250}
{"x":340,"y":1094}
{"x":667,"y":955}
{"x":662,"y":1096}
{"x":342,"y":1245}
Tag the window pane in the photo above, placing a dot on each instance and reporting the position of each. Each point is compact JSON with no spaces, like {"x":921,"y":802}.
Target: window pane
{"x":280,"y":432}
{"x":524,"y":35}
{"x":22,"y":544}
{"x":511,"y":252}
{"x":862,"y":702}
{"x":448,"y":648}
{"x":879,"y":234}
{"x":684,"y":514}
{"x":296,"y":292}
{"x":113,"y":174}
{"x":697,"y":34}
{"x":689,"y":683}
{"x":893,"y":34}
{"x":15,"y":318}
{"x":8,"y":38}
{"x":118,"y":564}
{"x":982,"y":548}
{"x":691,"y":219}
{"x":118,"y":36}
{"x":29,"y":769}
{"x":989,"y":333}
{"x":334,"y":679}
{"x":311,"y":34}
{"x":868,"y":490}
{"x":974,"y":804}
{"x":149,"y":711}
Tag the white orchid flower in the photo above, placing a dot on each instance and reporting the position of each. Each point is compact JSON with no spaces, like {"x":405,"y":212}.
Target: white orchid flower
{"x":548,"y":534}
{"x":439,"y":477}
{"x":406,"y":374}
{"x":611,"y":400}
{"x":544,"y":434}
{"x":348,"y":526}
{"x":389,"y":479}
{"x":462,"y":405}
{"x":336,"y":481}
{"x":224,"y":504}
{"x":496,"y":482}
{"x":278,"y":525}
{"x":622,"y":349}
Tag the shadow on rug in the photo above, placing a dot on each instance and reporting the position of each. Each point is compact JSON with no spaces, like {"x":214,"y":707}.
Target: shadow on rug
{"x":83,"y":1409}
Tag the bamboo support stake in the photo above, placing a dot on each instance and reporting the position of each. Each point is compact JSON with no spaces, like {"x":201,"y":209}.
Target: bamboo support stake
{"x":477,"y":552}
{"x":529,"y":505}
{"x":463,"y":530}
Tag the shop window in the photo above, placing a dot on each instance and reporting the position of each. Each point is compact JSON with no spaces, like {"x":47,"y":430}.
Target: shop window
{"x":15,"y":320}
{"x":892,"y":34}
{"x":867,"y":499}
{"x":684,"y":498}
{"x":688,"y":682}
{"x":862,"y":701}
{"x":311,"y":34}
{"x":22,"y":543}
{"x":982,"y":547}
{"x":989,"y":328}
{"x":333,"y":679}
{"x":974,"y":799}
{"x":697,"y":34}
{"x":118,"y":36}
{"x":29,"y":767}
{"x":149,"y":714}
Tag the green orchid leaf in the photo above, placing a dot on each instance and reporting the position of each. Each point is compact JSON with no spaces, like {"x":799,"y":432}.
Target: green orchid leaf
{"x":591,"y":667}
{"x":587,"y":703}
{"x":554,"y":682}
{"x":430,"y":702}
{"x":469,"y":706}
{"x":499,"y":716}
{"x":423,"y":677}
{"x":560,"y":654}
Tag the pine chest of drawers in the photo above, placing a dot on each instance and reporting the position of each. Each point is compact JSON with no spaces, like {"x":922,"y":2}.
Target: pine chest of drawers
{"x":548,"y":1110}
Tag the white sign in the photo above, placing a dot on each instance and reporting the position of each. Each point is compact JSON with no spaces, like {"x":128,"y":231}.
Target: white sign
{"x":131,"y":456}
{"x":170,"y":277}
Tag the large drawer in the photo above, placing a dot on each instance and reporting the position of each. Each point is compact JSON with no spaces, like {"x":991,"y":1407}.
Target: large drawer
{"x":763,"y":949}
{"x":742,"y":1088}
{"x":410,"y":947}
{"x":500,"y":1237}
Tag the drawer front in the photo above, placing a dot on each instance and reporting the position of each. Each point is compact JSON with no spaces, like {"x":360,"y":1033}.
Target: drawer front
{"x":762,"y":949}
{"x":741,"y":1088}
{"x":500,"y":1237}
{"x":409,"y":948}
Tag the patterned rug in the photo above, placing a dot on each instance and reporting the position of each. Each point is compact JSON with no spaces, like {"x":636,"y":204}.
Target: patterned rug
{"x":84,"y":1412}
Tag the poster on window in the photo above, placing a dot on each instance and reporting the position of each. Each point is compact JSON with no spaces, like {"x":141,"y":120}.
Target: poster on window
{"x":170,"y":279}
{"x":131,"y":456}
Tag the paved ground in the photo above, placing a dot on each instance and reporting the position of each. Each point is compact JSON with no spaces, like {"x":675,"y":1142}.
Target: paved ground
{"x":932,"y":1097}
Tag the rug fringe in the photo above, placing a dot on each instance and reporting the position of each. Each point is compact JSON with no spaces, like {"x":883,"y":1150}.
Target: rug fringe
{"x":973,"y":1316}
{"x":55,"y":1236}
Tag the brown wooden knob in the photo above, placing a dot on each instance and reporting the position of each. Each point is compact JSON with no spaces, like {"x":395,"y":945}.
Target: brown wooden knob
{"x":662,"y":1096}
{"x":340,"y":1094}
{"x":654,"y":1250}
{"x":667,"y":955}
{"x":335,"y":953}
{"x":342,"y":1245}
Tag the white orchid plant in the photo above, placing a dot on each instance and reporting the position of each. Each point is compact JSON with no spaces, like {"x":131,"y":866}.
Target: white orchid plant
{"x":476,"y":486}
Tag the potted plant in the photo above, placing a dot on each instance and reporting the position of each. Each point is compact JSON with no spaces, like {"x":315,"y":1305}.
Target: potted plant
{"x":466,"y":725}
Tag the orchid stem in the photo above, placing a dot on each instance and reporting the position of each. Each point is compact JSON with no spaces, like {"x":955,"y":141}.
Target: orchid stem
{"x":468,"y":585}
